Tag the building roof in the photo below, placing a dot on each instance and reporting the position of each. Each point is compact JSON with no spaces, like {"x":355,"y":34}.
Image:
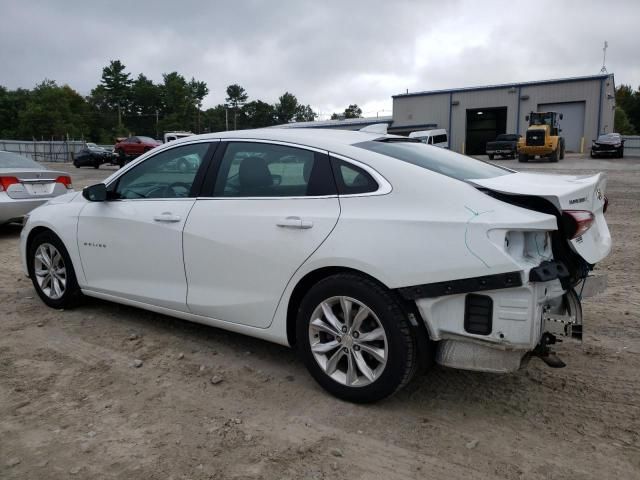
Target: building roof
{"x":506,"y":85}
{"x":363,"y":122}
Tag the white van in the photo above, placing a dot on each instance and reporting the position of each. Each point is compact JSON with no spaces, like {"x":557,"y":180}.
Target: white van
{"x":170,"y":136}
{"x":438,"y":137}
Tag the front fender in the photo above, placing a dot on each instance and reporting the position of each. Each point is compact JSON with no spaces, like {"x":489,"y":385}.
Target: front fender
{"x":61,"y":219}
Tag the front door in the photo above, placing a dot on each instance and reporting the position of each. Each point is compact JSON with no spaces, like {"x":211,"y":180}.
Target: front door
{"x":272,"y":206}
{"x":131,"y":245}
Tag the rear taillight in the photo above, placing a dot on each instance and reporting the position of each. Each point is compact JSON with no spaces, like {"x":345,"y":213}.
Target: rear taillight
{"x":606,"y":204}
{"x":65,"y":180}
{"x":6,"y":182}
{"x":579,"y":222}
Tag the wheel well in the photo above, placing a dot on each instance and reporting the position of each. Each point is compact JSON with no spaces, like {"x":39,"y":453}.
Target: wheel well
{"x":303,"y":287}
{"x":37,"y":231}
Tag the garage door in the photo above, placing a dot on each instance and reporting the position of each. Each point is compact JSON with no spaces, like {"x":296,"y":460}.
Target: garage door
{"x":572,"y":123}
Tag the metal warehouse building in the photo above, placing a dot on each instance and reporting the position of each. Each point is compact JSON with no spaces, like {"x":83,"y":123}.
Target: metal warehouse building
{"x":475,"y":115}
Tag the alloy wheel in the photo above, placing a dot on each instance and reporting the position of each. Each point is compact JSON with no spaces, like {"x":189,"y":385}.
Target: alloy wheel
{"x":348,"y":341}
{"x":50,"y":271}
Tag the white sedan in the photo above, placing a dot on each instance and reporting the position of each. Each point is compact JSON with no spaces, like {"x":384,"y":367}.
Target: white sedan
{"x":372,"y":254}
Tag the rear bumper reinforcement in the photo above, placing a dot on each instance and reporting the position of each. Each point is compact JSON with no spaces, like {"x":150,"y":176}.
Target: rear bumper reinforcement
{"x":465,"y":285}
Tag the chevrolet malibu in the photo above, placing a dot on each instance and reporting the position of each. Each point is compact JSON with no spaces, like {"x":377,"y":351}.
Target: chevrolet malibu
{"x":372,"y":254}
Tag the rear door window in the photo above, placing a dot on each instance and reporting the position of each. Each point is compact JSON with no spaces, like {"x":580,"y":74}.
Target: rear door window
{"x":255,"y":169}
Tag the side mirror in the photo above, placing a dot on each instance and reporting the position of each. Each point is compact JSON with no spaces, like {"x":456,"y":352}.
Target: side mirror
{"x":561,"y":116}
{"x":559,"y":129}
{"x":527,"y":118}
{"x":95,"y":193}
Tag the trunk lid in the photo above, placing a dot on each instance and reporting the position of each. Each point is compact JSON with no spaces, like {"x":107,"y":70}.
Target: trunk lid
{"x":565,"y":192}
{"x":34,"y":183}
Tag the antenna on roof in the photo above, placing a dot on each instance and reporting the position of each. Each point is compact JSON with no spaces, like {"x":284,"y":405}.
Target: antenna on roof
{"x":604,"y":57}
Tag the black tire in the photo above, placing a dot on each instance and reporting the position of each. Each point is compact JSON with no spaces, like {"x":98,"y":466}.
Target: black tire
{"x":592,"y":155}
{"x":71,"y":295}
{"x":562,"y":150}
{"x":620,"y":152}
{"x":553,"y":158}
{"x":513,"y":156}
{"x":490,"y":156}
{"x":523,"y":158}
{"x":96,"y":164}
{"x":402,"y":340}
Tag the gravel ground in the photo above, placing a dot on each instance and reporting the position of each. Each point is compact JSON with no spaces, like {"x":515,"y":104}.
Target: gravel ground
{"x":107,"y":391}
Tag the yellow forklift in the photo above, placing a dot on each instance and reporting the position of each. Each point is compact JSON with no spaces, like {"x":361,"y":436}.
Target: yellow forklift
{"x":542,"y":138}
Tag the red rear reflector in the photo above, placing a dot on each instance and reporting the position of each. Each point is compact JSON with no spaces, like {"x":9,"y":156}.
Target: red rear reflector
{"x":583,"y":220}
{"x":65,"y":180}
{"x":6,"y":182}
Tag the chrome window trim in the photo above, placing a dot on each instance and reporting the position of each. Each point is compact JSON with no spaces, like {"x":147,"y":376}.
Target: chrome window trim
{"x":145,"y":156}
{"x":384,"y":187}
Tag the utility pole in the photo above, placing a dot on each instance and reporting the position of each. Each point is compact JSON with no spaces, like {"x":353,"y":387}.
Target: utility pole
{"x":226,"y":116}
{"x":604,"y":57}
{"x":157,"y":132}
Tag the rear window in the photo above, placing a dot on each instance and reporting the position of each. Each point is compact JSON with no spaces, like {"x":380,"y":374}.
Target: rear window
{"x":13,"y":160}
{"x":440,"y":139}
{"x":437,"y":160}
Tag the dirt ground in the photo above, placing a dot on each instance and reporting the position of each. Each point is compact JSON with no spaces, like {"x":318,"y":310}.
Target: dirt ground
{"x":73,"y":405}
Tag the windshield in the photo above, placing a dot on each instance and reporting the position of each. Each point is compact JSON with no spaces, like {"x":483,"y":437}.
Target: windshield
{"x":13,"y":160}
{"x":541,"y":119}
{"x":438,"y":160}
{"x":147,"y":139}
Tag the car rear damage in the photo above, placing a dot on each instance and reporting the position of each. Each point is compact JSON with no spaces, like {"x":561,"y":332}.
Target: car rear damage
{"x":496,"y":322}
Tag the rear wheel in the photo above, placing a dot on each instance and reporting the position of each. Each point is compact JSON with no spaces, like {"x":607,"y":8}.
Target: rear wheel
{"x":96,"y":164}
{"x":491,"y":156}
{"x":562,"y":148}
{"x":51,"y":271}
{"x":554,"y":155}
{"x":355,"y":338}
{"x":523,"y":157}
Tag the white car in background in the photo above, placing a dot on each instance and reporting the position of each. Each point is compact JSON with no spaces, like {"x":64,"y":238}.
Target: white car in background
{"x":371,"y":253}
{"x":437,"y":137}
{"x":25,"y":185}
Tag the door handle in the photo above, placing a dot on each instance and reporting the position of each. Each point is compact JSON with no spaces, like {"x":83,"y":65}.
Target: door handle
{"x":294,"y":222}
{"x":167,"y":217}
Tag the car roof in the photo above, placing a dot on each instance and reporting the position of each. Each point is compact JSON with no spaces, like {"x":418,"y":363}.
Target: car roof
{"x":325,"y":139}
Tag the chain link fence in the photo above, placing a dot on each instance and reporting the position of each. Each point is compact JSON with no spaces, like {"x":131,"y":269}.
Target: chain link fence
{"x":631,"y":144}
{"x":46,"y":151}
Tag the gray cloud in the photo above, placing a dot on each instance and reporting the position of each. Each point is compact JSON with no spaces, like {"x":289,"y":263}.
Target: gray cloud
{"x":328,"y":53}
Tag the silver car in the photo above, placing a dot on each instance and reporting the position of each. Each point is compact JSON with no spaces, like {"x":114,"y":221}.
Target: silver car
{"x":25,"y":185}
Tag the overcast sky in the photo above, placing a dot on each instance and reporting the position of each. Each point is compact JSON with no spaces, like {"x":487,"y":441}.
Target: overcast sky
{"x":327,"y":53}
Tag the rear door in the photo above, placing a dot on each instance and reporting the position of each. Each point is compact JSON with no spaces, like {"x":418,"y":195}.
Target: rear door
{"x":270,"y":206}
{"x":131,"y":246}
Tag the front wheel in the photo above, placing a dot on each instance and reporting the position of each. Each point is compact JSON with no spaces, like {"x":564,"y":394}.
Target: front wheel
{"x":51,"y":271}
{"x":355,"y":338}
{"x":523,"y":157}
{"x":490,"y":156}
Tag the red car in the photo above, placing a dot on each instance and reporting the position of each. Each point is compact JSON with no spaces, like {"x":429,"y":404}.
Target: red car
{"x":132,"y":147}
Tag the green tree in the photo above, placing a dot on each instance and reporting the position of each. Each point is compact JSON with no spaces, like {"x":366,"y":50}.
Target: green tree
{"x":259,"y":114}
{"x":304,"y":113}
{"x":12,"y":102}
{"x":236,"y":97}
{"x":116,"y":84}
{"x":53,"y":111}
{"x":621,"y":123}
{"x":629,"y":101}
{"x":352,"y":111}
{"x":286,"y":108}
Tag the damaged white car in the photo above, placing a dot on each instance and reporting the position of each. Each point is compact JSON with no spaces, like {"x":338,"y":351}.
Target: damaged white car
{"x":372,"y":254}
